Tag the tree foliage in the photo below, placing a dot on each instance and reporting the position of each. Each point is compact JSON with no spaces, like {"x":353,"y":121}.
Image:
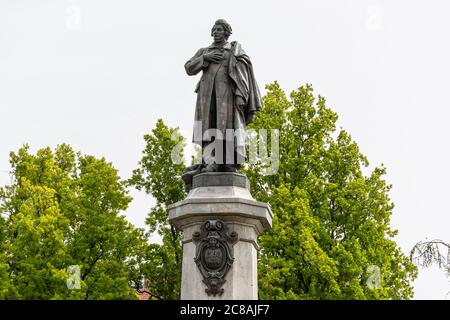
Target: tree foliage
{"x":62,"y":209}
{"x":160,"y":176}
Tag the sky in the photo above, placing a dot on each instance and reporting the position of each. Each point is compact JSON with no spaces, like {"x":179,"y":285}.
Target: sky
{"x":98,"y":74}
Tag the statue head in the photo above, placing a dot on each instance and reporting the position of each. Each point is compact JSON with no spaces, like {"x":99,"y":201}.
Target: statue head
{"x":221,"y":30}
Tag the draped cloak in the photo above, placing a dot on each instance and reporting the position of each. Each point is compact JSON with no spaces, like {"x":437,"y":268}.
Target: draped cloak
{"x":218,"y":87}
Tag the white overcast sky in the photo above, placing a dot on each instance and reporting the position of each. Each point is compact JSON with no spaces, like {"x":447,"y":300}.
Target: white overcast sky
{"x":97,"y":74}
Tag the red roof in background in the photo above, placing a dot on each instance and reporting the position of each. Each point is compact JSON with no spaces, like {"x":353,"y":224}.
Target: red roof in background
{"x":144,"y":294}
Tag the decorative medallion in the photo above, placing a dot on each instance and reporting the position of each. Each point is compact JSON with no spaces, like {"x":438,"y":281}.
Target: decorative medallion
{"x":214,"y":254}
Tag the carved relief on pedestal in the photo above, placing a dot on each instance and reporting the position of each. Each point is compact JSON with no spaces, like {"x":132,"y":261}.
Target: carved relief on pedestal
{"x":214,"y":254}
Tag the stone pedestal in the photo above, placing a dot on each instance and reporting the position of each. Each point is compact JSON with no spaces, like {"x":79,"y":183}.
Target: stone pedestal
{"x":220,"y":222}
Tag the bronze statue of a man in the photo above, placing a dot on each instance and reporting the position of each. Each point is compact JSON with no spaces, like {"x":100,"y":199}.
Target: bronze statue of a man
{"x":227,"y":99}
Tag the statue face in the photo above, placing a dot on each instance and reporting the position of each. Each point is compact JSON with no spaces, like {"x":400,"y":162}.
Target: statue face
{"x":219,"y":33}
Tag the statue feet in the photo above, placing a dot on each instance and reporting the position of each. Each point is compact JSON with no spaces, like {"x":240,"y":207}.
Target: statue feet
{"x":213,"y":167}
{"x":188,"y":175}
{"x":219,"y":168}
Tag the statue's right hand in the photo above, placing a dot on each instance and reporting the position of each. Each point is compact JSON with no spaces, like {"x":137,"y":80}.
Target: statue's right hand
{"x":214,"y":57}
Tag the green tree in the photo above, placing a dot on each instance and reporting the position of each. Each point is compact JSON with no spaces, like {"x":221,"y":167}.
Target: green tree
{"x":62,"y":209}
{"x":331,"y":236}
{"x":331,"y":222}
{"x":160,"y":176}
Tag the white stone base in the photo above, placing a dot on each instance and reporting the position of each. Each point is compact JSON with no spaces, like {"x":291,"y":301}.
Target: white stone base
{"x":242,"y":214}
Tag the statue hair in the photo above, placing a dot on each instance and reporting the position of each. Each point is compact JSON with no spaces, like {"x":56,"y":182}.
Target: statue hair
{"x":225,"y":25}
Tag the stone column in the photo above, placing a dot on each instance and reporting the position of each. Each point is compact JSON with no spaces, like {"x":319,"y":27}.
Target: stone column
{"x":220,"y":222}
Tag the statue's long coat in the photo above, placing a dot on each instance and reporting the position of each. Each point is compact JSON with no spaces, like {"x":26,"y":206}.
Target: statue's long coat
{"x":219,"y":86}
